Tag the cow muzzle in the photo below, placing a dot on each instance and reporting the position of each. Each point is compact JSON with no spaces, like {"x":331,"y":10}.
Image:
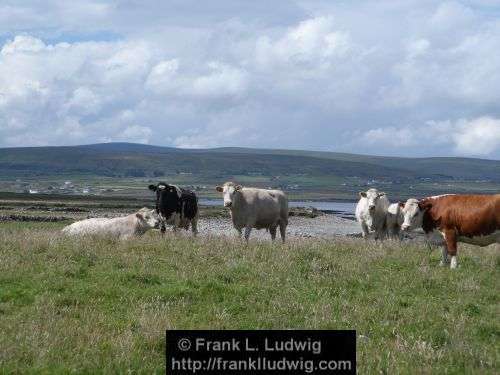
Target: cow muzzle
{"x":405,"y":227}
{"x":228,"y":204}
{"x":371,"y":208}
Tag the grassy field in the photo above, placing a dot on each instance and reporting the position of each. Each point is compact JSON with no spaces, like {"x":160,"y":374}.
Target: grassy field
{"x":100,"y":305}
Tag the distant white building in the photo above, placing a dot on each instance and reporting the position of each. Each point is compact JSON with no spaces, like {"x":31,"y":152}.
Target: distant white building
{"x":33,"y":191}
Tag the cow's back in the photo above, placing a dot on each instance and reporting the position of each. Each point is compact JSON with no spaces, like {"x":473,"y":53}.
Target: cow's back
{"x":470,"y":215}
{"x":394,"y":215}
{"x":86,"y":226}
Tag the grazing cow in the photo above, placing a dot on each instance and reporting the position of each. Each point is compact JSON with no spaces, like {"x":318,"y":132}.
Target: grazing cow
{"x":371,"y":212}
{"x":473,"y":219}
{"x":176,"y":206}
{"x":394,"y":219}
{"x":122,"y":227}
{"x":256,"y":208}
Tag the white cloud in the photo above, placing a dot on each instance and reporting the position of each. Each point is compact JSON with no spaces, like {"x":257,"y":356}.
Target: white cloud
{"x":417,"y":48}
{"x":55,"y":88}
{"x":84,"y":101}
{"x":451,"y":15}
{"x":475,"y":137}
{"x":390,"y":137}
{"x":135,"y":133}
{"x":23,"y":43}
{"x":310,"y":74}
{"x":162,"y":76}
{"x":223,"y":80}
{"x":314,"y":41}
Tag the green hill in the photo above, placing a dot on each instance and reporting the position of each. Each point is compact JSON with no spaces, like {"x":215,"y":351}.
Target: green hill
{"x":442,"y":167}
{"x":124,"y":168}
{"x":135,"y":160}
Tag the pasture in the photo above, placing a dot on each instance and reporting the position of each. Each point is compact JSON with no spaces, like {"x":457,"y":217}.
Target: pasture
{"x":100,"y":305}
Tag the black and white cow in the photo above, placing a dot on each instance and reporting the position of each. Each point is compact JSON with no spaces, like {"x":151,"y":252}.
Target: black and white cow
{"x":176,"y":206}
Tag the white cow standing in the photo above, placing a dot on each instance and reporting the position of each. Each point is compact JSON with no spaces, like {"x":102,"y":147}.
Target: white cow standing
{"x":371,"y":212}
{"x":256,"y":208}
{"x":122,"y":227}
{"x":394,"y":219}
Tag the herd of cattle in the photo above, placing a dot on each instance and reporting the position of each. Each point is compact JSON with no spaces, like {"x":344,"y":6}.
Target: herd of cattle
{"x":445,"y":219}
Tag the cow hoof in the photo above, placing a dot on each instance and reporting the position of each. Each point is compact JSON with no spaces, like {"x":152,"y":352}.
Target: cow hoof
{"x":443,"y":263}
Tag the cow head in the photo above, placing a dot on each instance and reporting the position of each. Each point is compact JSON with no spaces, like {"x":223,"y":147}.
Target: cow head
{"x":413,"y":213}
{"x":372,"y":196}
{"x":163,"y":187}
{"x":148,"y":218}
{"x":167,"y":198}
{"x":228,"y":190}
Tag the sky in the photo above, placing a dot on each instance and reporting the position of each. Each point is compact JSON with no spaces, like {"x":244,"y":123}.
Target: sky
{"x":386,"y":77}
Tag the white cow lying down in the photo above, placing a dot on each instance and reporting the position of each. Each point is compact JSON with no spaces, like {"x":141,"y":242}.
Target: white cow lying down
{"x":122,"y":227}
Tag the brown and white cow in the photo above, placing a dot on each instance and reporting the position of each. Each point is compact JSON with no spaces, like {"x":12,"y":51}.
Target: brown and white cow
{"x":473,"y":219}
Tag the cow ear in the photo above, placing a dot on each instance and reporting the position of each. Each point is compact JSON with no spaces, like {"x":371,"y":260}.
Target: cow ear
{"x":401,"y":204}
{"x":219,"y":189}
{"x":362,"y":194}
{"x":152,"y":187}
{"x":424,"y":205}
{"x":238,"y":187}
{"x":381,"y":193}
{"x":139,"y":216}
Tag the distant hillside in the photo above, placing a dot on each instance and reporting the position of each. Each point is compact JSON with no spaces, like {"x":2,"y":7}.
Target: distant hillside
{"x":443,"y":167}
{"x":136,"y":160}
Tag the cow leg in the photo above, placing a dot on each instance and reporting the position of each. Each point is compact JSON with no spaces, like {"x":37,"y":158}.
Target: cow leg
{"x":194,"y":226}
{"x":383,"y":232}
{"x":444,"y":256}
{"x":177,"y":223}
{"x":247,"y":233}
{"x":272,"y":230}
{"x":399,"y":235}
{"x":364,"y":230}
{"x":163,"y":229}
{"x":380,"y":234}
{"x":450,"y":237}
{"x":395,"y":232}
{"x":282,"y":231}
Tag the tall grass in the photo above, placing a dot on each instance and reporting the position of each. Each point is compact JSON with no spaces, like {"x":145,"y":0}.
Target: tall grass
{"x":99,"y":305}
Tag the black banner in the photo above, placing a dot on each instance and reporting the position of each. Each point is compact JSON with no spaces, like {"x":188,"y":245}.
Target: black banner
{"x":260,"y":352}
